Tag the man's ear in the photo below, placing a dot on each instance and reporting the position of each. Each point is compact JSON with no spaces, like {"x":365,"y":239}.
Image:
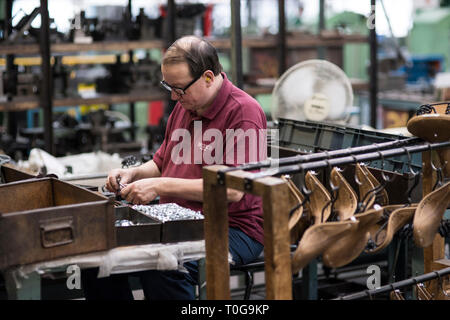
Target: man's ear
{"x":209,"y":77}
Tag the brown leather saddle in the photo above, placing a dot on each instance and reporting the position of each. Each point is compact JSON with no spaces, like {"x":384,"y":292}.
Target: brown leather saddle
{"x":300,"y":218}
{"x":346,"y":201}
{"x":432,"y":122}
{"x":396,"y":295}
{"x":318,"y":198}
{"x":321,"y":234}
{"x":318,"y":238}
{"x":365,"y":188}
{"x":352,"y":244}
{"x":383,"y":232}
{"x":422,"y":292}
{"x":381,"y":196}
{"x":299,"y":199}
{"x":428,"y":215}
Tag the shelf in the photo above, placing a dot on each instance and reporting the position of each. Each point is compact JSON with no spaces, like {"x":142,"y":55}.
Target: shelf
{"x":255,"y":90}
{"x":22,"y":104}
{"x":252,"y":42}
{"x":326,"y":41}
{"x":292,"y":41}
{"x":24,"y":49}
{"x":357,"y":85}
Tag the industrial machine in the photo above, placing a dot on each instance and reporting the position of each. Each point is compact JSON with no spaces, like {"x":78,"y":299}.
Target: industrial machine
{"x":23,"y":32}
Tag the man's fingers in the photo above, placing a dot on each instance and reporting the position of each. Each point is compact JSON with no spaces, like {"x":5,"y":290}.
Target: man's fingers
{"x":109,"y":187}
{"x":127,"y":194}
{"x":113,"y":182}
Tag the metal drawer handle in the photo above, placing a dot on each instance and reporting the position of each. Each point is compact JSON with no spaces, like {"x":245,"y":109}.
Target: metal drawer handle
{"x":57,"y":232}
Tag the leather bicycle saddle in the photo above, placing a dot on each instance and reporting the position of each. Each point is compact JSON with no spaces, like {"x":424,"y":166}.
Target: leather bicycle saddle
{"x":365,"y":186}
{"x":429,"y":214}
{"x":318,"y":238}
{"x":347,"y":201}
{"x":299,"y":199}
{"x":350,"y":246}
{"x":431,"y":122}
{"x":382,"y":197}
{"x":318,"y":198}
{"x":422,"y":292}
{"x":383,"y":232}
{"x":396,"y":295}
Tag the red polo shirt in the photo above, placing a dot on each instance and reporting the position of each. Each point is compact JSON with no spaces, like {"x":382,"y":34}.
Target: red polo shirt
{"x":192,"y":142}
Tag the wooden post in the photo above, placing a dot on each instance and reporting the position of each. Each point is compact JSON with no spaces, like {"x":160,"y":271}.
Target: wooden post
{"x":278,"y":274}
{"x":216,"y":236}
{"x":275,"y":196}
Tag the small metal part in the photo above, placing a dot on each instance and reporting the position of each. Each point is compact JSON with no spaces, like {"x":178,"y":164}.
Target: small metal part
{"x":221,"y":178}
{"x":121,"y":186}
{"x":129,"y":161}
{"x":248,"y":184}
{"x":125,"y":223}
{"x":168,"y":212}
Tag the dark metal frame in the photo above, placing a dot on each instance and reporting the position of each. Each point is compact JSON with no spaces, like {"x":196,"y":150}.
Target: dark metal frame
{"x":320,"y":155}
{"x":236,"y":44}
{"x":397,"y":285}
{"x":282,"y":50}
{"x":326,"y":163}
{"x":46,"y":99}
{"x":373,"y":69}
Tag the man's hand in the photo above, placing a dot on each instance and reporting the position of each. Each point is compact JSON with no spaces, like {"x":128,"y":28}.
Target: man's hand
{"x":142,"y":191}
{"x":126,"y":176}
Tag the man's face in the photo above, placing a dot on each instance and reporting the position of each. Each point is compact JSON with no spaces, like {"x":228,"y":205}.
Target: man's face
{"x":178,"y":75}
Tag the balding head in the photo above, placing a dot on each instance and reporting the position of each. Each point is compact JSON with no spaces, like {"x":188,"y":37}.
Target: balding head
{"x":199,"y":55}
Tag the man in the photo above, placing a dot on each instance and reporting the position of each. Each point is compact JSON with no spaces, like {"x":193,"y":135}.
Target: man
{"x":209,"y":125}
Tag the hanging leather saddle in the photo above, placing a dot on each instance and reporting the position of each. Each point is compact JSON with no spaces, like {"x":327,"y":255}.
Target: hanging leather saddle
{"x":428,"y":215}
{"x":383,"y":232}
{"x":318,"y":199}
{"x":352,"y":244}
{"x":365,"y":186}
{"x":300,"y":219}
{"x":381,"y":197}
{"x":346,"y":201}
{"x":318,"y":238}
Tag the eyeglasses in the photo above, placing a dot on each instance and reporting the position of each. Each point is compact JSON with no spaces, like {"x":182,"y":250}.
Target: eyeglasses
{"x":178,"y":91}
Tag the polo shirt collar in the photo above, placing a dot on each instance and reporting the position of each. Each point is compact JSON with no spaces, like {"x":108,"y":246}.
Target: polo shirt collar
{"x":220,"y":99}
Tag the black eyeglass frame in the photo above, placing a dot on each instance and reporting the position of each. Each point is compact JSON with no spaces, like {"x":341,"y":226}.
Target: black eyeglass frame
{"x":169,"y":88}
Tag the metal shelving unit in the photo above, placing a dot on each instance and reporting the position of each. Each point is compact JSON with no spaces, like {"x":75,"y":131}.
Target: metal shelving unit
{"x":22,"y":104}
{"x":45,"y":49}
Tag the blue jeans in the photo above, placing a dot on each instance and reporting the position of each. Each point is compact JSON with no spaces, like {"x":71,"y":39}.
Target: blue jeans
{"x":166,"y":285}
{"x":177,"y":285}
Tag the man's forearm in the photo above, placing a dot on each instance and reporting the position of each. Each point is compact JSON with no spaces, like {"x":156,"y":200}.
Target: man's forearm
{"x":190,"y":189}
{"x":146,"y":170}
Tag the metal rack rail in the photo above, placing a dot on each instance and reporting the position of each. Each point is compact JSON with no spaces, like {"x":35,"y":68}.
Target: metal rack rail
{"x":397,"y":285}
{"x":319,"y":156}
